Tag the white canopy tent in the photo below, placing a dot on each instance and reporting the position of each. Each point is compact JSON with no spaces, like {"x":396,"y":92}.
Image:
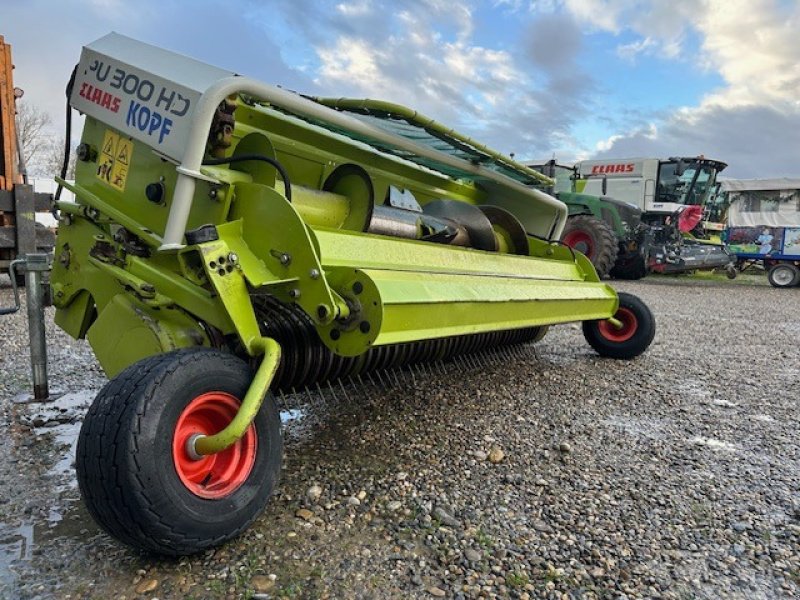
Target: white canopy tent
{"x":763,"y":202}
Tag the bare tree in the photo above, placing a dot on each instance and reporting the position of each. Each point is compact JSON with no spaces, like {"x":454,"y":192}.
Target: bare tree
{"x":54,"y":159}
{"x":31,"y":128}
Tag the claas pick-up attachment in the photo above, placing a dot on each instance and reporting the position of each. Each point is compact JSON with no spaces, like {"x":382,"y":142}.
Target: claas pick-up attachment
{"x":229,"y":240}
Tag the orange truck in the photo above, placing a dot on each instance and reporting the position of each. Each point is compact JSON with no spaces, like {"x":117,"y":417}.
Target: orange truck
{"x":19,"y":232}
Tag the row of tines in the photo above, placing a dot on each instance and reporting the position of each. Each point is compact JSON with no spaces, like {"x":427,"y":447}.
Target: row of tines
{"x":306,"y":361}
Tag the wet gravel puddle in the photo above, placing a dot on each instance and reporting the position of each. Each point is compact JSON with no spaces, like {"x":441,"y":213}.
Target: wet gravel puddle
{"x":54,"y":426}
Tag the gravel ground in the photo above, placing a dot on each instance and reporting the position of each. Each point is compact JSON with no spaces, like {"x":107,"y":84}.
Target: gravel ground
{"x":538,"y":473}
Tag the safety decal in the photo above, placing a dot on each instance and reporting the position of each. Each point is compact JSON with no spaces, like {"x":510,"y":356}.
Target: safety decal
{"x":115,"y":160}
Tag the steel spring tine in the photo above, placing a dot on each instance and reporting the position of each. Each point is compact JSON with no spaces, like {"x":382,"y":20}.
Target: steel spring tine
{"x":344,"y":391}
{"x":312,"y":405}
{"x":333,"y":392}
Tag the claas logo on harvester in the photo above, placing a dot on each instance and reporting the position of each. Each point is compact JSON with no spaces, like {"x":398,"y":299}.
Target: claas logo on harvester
{"x":614,"y":168}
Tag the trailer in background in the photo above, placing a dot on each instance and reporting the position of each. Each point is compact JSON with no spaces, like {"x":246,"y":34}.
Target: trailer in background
{"x":20,"y":234}
{"x":764,"y":226}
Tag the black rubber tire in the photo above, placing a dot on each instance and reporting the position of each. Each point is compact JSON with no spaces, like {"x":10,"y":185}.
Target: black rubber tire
{"x":636,"y":344}
{"x":604,"y":249}
{"x":630,"y":269}
{"x":783,"y":275}
{"x":125,"y":466}
{"x":541,"y":331}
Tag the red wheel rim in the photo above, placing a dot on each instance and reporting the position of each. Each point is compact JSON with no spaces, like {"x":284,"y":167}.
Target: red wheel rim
{"x":580,"y":241}
{"x":629,"y":325}
{"x":216,"y":475}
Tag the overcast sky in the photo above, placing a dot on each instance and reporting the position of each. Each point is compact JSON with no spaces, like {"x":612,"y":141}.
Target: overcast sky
{"x":566,"y":78}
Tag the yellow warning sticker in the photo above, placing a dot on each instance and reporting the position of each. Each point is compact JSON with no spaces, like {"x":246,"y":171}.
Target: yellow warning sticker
{"x":115,"y":160}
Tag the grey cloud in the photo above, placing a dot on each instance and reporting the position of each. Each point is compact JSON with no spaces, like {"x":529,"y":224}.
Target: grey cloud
{"x":553,"y":42}
{"x":528,"y":115}
{"x":45,"y":50}
{"x":220,"y":34}
{"x":321,"y":21}
{"x":754,"y":141}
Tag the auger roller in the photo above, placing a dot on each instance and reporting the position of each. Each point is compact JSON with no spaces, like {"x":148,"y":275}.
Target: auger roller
{"x":307,"y":361}
{"x":229,"y":239}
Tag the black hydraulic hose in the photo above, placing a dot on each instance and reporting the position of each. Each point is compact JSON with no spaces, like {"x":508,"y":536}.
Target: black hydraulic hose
{"x":67,"y":143}
{"x":263,"y":158}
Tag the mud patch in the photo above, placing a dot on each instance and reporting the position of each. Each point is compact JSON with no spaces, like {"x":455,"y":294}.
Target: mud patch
{"x":649,"y":428}
{"x":16,"y":544}
{"x":714,"y":444}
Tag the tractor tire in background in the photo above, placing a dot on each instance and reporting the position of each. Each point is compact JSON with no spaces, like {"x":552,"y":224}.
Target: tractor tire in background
{"x":783,"y":275}
{"x":594,"y":238}
{"x":630,"y":269}
{"x":135,"y":475}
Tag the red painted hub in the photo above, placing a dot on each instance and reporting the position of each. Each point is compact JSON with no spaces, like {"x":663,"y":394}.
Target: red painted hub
{"x":580,"y":241}
{"x":216,"y":475}
{"x":629,"y":326}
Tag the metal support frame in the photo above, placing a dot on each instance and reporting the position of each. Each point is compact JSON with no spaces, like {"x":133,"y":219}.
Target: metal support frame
{"x":189,"y":170}
{"x":34,"y":266}
{"x":12,"y":273}
{"x":18,"y":232}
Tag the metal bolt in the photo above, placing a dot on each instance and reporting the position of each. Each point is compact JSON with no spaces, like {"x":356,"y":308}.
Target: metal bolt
{"x":284,"y":257}
{"x":86,"y":153}
{"x":294,"y":293}
{"x":233,"y":258}
{"x":314,"y":274}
